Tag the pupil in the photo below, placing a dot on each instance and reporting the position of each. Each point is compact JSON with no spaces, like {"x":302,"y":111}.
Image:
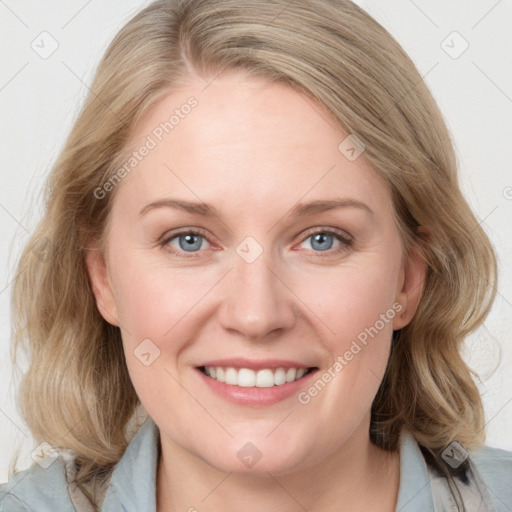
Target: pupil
{"x":190,"y":242}
{"x":321,"y":238}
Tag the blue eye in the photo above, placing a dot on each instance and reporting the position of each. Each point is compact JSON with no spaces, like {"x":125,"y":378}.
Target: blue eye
{"x":190,"y":242}
{"x":322,"y":241}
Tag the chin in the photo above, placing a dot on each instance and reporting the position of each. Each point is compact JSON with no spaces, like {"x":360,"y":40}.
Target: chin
{"x":257,"y":459}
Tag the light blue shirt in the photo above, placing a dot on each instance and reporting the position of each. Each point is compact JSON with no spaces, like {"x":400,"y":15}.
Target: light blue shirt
{"x":132,"y":486}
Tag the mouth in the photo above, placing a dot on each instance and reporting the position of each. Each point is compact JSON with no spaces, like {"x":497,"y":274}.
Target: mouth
{"x":262,"y":378}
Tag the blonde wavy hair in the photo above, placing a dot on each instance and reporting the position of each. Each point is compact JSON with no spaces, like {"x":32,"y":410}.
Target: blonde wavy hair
{"x":77,"y":394}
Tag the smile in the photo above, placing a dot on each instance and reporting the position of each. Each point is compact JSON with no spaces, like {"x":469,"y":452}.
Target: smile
{"x":247,"y":378}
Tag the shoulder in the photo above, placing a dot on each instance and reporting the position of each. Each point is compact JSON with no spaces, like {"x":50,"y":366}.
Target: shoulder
{"x":495,"y":466}
{"x":50,"y":489}
{"x":38,"y":489}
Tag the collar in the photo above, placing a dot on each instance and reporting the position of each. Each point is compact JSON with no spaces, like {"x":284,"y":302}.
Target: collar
{"x":414,"y":492}
{"x":132,"y":485}
{"x":133,"y":482}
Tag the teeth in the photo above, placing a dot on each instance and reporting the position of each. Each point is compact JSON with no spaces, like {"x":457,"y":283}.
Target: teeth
{"x":300,"y":373}
{"x":279,"y":377}
{"x":247,"y":378}
{"x":264,"y":378}
{"x":291,"y":374}
{"x":231,"y":376}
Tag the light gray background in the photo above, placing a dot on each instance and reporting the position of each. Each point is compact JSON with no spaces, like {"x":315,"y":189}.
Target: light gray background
{"x":39,"y":98}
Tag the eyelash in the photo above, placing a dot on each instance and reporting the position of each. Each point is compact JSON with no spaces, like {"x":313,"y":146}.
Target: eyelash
{"x":346,"y":241}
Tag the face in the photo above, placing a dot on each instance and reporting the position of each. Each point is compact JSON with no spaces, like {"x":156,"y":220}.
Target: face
{"x":245,"y":244}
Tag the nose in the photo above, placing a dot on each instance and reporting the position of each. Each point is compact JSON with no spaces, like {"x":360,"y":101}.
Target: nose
{"x":257,"y":303}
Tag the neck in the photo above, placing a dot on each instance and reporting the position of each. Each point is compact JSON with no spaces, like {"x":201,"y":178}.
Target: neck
{"x":357,"y":477}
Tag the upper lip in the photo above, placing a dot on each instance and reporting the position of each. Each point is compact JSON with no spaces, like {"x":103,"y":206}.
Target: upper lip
{"x":253,"y":364}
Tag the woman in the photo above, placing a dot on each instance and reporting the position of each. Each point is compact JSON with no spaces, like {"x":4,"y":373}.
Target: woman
{"x":258,"y":243}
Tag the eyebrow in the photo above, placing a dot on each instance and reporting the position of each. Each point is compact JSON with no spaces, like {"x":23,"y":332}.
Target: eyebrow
{"x":299,"y":210}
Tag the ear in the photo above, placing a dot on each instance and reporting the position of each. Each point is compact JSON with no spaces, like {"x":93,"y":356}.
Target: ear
{"x":101,"y":285}
{"x":413,"y":276}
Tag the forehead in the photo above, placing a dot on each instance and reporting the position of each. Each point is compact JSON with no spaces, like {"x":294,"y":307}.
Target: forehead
{"x":247,"y":143}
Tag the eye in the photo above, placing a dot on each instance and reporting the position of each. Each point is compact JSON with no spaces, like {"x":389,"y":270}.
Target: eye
{"x":185,"y":243}
{"x":324,"y":239}
{"x":189,"y":241}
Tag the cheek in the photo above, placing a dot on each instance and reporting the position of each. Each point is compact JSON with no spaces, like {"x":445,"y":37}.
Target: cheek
{"x":352,"y":297}
{"x":153,"y":306}
{"x":357,"y":306}
{"x":156,"y":308}
{"x":150,"y":297}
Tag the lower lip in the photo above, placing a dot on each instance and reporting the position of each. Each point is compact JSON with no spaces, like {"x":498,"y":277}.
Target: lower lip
{"x":256,"y":396}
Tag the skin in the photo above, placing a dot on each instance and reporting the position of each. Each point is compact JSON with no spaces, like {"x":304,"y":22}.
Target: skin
{"x":254,"y":150}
